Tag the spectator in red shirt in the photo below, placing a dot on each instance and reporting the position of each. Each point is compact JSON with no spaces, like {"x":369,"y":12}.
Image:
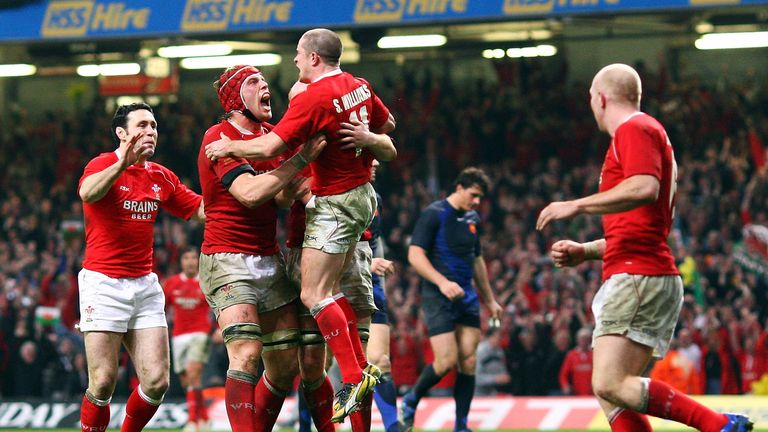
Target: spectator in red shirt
{"x":576,"y":371}
{"x":749,"y":364}
{"x":406,"y":355}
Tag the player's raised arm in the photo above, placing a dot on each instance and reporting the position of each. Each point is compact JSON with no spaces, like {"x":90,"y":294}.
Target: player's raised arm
{"x":96,"y":185}
{"x":260,"y":148}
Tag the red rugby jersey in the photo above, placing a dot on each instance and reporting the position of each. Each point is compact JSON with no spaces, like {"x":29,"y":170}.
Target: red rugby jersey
{"x":190,"y":310}
{"x":636,"y":240}
{"x":334,"y":98}
{"x":230,"y":226}
{"x":119,"y":227}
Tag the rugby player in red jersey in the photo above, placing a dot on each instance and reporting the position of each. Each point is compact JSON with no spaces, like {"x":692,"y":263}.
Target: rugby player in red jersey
{"x":191,"y":335}
{"x":343,"y":201}
{"x":637,"y":307}
{"x":241,"y":269}
{"x":121,"y":301}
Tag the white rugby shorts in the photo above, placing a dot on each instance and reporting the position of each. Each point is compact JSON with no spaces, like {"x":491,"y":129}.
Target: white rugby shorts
{"x":117,"y":305}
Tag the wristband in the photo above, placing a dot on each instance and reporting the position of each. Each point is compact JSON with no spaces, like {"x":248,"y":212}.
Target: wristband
{"x":591,"y":250}
{"x":298,"y":161}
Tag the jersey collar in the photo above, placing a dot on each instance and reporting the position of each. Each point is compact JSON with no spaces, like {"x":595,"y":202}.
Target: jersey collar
{"x":629,"y":117}
{"x":327,"y":74}
{"x":239,"y":128}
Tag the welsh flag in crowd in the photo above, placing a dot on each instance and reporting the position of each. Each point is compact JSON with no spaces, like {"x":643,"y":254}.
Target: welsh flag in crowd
{"x":752,"y":252}
{"x":46,"y":315}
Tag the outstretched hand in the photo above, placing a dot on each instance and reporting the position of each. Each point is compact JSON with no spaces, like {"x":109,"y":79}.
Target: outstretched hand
{"x":556,"y":211}
{"x":131,"y":150}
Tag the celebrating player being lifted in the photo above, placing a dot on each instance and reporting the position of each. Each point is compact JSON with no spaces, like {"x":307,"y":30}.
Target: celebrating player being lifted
{"x":343,"y":201}
{"x":241,"y":269}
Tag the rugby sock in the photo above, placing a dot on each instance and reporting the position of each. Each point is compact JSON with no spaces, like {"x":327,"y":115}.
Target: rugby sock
{"x":268,"y":402}
{"x":94,"y":414}
{"x":305,"y":416}
{"x":333,"y":325}
{"x":463,"y":391}
{"x":361,"y":419}
{"x":192,"y":407}
{"x":202,"y":410}
{"x":354,"y":335}
{"x":386,"y":399}
{"x":624,"y":420}
{"x":666,"y":402}
{"x":319,"y":399}
{"x":238,"y":395}
{"x":426,"y":381}
{"x":139,"y":410}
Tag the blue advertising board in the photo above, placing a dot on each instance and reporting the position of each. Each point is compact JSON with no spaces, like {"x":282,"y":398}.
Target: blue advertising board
{"x":89,"y":19}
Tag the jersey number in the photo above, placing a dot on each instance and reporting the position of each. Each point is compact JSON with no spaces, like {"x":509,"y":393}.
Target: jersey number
{"x":362,"y":117}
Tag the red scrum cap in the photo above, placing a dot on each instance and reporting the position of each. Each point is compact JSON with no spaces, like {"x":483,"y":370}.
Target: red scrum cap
{"x":230,"y":85}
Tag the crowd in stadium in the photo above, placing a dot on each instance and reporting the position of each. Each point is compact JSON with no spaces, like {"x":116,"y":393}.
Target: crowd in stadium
{"x":532,"y":133}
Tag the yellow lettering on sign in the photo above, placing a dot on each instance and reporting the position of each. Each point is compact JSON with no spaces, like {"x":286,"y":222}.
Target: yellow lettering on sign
{"x":116,"y":16}
{"x":261,"y":11}
{"x":432,"y":7}
{"x":518,"y":7}
{"x":66,"y":18}
{"x":206,"y":15}
{"x":395,"y":10}
{"x":379,"y":10}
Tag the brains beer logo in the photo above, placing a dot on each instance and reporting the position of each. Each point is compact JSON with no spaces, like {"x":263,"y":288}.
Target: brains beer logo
{"x":206,"y":15}
{"x":67,"y":18}
{"x":519,"y":7}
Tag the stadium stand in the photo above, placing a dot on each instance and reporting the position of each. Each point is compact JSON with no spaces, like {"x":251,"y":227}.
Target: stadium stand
{"x":720,"y":234}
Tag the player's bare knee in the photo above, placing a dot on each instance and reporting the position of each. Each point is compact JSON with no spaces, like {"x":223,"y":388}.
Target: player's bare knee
{"x":282,"y":367}
{"x":243,"y":341}
{"x":312,"y":363}
{"x":101,"y":389}
{"x":443,"y":364}
{"x":606,"y":389}
{"x":468,"y":364}
{"x":311,"y":297}
{"x":281,"y":356}
{"x":156,"y":388}
{"x":101,"y":382}
{"x":284,"y":376}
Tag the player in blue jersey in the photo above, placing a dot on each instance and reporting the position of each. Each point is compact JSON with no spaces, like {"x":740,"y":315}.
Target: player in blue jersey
{"x":445,"y":251}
